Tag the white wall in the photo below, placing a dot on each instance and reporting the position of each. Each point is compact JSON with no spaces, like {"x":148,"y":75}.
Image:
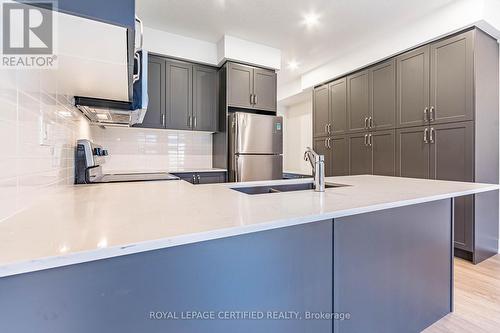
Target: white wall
{"x":249,"y":52}
{"x":29,"y":170}
{"x":227,"y":48}
{"x":297,"y":135}
{"x":137,"y":149}
{"x":177,"y":46}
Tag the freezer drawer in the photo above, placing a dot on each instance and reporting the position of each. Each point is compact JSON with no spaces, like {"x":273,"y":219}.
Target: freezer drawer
{"x":255,"y":134}
{"x":257,"y":167}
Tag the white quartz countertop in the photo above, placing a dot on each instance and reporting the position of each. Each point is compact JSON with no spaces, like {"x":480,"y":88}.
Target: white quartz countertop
{"x":89,"y":222}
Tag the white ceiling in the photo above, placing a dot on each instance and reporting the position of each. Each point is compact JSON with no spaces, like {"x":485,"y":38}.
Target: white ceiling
{"x":343,"y":24}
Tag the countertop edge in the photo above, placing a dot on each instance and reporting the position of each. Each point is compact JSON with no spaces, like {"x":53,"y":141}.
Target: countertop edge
{"x":150,"y":245}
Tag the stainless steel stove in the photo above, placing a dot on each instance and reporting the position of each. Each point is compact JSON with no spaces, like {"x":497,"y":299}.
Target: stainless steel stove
{"x":88,"y":167}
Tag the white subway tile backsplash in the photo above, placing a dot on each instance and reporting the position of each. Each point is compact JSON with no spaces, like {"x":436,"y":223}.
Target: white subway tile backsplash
{"x":29,"y":169}
{"x":150,"y":149}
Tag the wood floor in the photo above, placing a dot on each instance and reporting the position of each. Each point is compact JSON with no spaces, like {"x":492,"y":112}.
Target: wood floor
{"x":477,"y":299}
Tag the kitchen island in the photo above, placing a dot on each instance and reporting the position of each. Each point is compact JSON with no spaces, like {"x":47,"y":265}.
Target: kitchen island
{"x":374,"y":254}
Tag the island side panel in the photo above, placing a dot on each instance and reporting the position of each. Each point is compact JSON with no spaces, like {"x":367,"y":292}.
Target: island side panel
{"x":486,"y":230}
{"x":393,"y":269}
{"x":286,"y":269}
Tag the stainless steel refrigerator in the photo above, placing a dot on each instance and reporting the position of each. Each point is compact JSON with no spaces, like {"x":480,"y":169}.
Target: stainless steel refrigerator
{"x":255,"y":147}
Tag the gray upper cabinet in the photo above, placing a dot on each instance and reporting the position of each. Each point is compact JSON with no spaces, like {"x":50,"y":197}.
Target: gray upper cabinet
{"x":338,"y":106}
{"x":358,"y":100}
{"x":383,"y":145}
{"x":339,"y":146}
{"x":240,"y":85}
{"x":204,"y":98}
{"x":412,"y":152}
{"x":383,"y":96}
{"x":179,"y":94}
{"x":251,"y":87}
{"x":182,"y":95}
{"x":413,"y":87}
{"x":155,"y":116}
{"x":360,"y":154}
{"x":264,"y":89}
{"x":321,"y":114}
{"x":451,"y":84}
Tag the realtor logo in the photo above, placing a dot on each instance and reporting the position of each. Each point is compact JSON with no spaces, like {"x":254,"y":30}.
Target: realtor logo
{"x":28,"y":34}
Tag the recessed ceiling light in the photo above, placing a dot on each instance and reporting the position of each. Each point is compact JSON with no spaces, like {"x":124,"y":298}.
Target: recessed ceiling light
{"x":310,"y":20}
{"x":293,"y":65}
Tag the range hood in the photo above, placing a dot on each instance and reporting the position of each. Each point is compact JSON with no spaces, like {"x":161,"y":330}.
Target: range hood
{"x":107,"y":112}
{"x":120,"y":112}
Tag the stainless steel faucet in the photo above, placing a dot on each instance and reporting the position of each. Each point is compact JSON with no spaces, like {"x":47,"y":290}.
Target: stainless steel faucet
{"x":318,"y":165}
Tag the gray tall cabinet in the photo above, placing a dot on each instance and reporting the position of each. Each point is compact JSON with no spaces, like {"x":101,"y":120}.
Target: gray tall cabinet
{"x":431,"y":112}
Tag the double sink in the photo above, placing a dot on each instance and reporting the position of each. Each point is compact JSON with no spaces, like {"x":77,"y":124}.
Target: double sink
{"x":263,"y":189}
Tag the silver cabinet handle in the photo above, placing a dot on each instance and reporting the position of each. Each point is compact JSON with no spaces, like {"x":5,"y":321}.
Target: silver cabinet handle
{"x":141,"y":33}
{"x":330,"y":126}
{"x":366,"y":122}
{"x":198,"y":178}
{"x":431,"y":135}
{"x":326,"y":142}
{"x":426,"y":130}
{"x":194,"y":179}
{"x":163,"y":120}
{"x":330,"y":143}
{"x":137,"y":59}
{"x":366,"y":139}
{"x":370,"y":122}
{"x":431,"y":113}
{"x":255,"y":100}
{"x":326,"y":129}
{"x":370,"y":140}
{"x":426,"y":111}
{"x":190,"y":121}
{"x":194,"y":125}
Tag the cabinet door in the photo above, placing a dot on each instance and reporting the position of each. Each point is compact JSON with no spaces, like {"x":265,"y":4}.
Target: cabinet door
{"x":321,"y":111}
{"x":358,"y":100}
{"x":186,"y":176}
{"x":320,"y":146}
{"x":360,"y":157}
{"x":452,"y":79}
{"x":240,"y":85}
{"x":264,"y":89}
{"x":179,"y":82}
{"x":383,"y":95}
{"x":156,"y":92}
{"x":211,"y":177}
{"x":204,"y":98}
{"x":338,"y":106}
{"x":412,"y":153}
{"x":452,"y":156}
{"x":452,"y":159}
{"x":412,"y":87}
{"x":383,"y":146}
{"x":340,"y":156}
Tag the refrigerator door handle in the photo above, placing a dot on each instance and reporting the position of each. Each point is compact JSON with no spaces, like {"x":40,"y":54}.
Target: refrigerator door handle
{"x":236,"y":168}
